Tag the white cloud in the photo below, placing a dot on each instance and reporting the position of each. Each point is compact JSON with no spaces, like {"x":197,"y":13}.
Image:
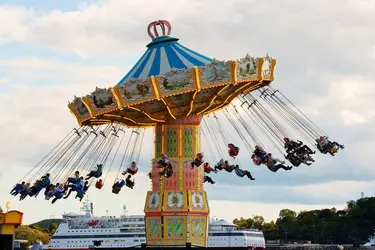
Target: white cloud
{"x":324,"y":66}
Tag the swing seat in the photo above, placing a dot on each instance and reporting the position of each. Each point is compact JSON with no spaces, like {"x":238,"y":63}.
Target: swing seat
{"x":99,"y":185}
{"x":116,"y":190}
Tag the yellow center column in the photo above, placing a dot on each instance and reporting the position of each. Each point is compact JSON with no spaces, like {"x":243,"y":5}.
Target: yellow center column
{"x":176,"y":210}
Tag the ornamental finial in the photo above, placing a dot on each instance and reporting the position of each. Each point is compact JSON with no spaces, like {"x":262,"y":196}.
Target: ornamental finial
{"x":165,"y":26}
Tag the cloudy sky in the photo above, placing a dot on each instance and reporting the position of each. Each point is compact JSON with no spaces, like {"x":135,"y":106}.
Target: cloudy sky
{"x":53,"y":50}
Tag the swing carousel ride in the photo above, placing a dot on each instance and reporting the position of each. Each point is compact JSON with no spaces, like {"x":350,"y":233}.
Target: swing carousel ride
{"x":181,"y":94}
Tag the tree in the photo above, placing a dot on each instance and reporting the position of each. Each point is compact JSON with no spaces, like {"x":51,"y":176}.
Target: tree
{"x":52,"y":228}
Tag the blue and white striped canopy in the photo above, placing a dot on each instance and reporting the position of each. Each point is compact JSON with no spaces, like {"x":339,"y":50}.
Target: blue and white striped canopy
{"x":162,"y":54}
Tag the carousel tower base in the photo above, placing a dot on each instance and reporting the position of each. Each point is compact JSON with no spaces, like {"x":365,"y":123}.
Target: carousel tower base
{"x":176,"y":210}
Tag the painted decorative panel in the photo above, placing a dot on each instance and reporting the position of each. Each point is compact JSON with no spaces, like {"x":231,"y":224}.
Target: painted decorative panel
{"x":171,"y":143}
{"x":198,"y":226}
{"x":101,"y":101}
{"x":153,"y":201}
{"x":158,"y":143}
{"x":189,"y":176}
{"x":188,"y":143}
{"x":154,"y":230}
{"x":174,"y":227}
{"x":135,"y":91}
{"x":171,"y":182}
{"x":247,"y":69}
{"x":79,"y":109}
{"x":198,"y":201}
{"x":176,"y":81}
{"x":267,"y":68}
{"x":175,"y":201}
{"x":155,"y":176}
{"x":215,"y":73}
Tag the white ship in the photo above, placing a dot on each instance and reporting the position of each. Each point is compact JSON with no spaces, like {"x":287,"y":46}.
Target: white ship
{"x":371,"y":242}
{"x":85,"y":231}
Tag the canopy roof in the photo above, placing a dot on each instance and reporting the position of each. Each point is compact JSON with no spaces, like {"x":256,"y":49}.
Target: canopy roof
{"x":163,"y":54}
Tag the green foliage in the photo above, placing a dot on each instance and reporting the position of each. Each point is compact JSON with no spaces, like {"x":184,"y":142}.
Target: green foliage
{"x":45,"y":225}
{"x":1,"y":209}
{"x":351,"y":225}
{"x":32,"y":235}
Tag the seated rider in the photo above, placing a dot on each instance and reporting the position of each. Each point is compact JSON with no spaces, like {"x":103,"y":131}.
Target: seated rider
{"x":233,"y":150}
{"x":39,"y":185}
{"x":326,"y":146}
{"x":18,"y":188}
{"x":293,"y":159}
{"x":95,"y":173}
{"x":99,"y":184}
{"x":132,"y":169}
{"x":117,"y":186}
{"x":167,"y":171}
{"x":75,"y":187}
{"x":81,"y":190}
{"x":305,"y":158}
{"x":208,"y":169}
{"x":221,"y":165}
{"x":129,"y":183}
{"x":164,"y":161}
{"x":274,"y":164}
{"x":25,"y":191}
{"x":256,"y":160}
{"x":208,"y":179}
{"x":242,"y":172}
{"x":75,"y":179}
{"x":230,"y":168}
{"x":293,"y":146}
{"x":59,"y":192}
{"x":198,"y":160}
{"x":261,"y":153}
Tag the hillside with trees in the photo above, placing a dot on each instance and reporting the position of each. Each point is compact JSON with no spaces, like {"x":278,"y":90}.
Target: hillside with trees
{"x":354,"y":224}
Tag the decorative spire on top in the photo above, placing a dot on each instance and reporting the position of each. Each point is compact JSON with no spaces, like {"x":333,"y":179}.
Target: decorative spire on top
{"x":165,"y":26}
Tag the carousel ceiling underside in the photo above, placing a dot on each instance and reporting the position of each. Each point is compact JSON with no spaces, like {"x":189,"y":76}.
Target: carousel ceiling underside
{"x":174,"y":95}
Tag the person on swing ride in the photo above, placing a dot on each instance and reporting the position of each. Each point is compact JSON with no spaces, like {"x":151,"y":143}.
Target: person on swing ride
{"x":230,"y":168}
{"x":50,"y":191}
{"x":326,"y":146}
{"x":164,"y":161}
{"x":128,"y":182}
{"x":74,"y":187}
{"x":208,"y":169}
{"x":116,"y":188}
{"x":233,"y":150}
{"x":292,"y":146}
{"x":208,"y":179}
{"x":242,"y":172}
{"x":99,"y":184}
{"x":59,"y":192}
{"x":274,"y":164}
{"x":18,"y":188}
{"x":221,"y":165}
{"x":305,"y":158}
{"x":256,"y":160}
{"x":25,"y":191}
{"x":293,"y":159}
{"x":81,"y":190}
{"x":198,"y":160}
{"x":95,"y":173}
{"x":132,"y":169}
{"x":261,"y":153}
{"x":44,"y":182}
{"x":166,"y":171}
{"x":75,"y":179}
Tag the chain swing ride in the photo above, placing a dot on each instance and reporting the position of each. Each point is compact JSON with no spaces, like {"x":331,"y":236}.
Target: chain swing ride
{"x":182,"y":95}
